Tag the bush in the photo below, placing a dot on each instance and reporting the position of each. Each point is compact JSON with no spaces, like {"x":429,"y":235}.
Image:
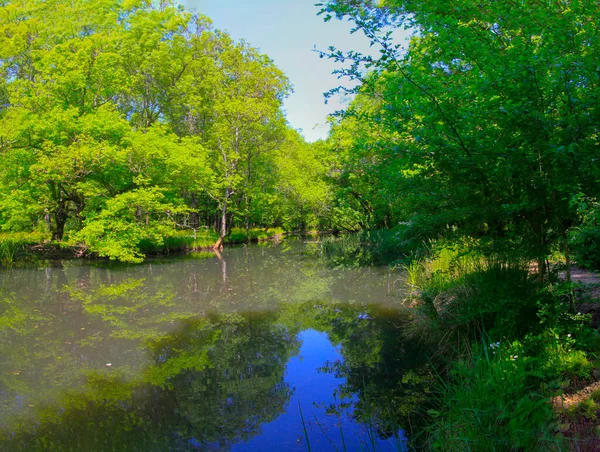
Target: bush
{"x":490,"y":403}
{"x":585,"y":239}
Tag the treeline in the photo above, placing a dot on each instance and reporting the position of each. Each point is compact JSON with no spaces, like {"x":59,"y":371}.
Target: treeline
{"x":126,"y":120}
{"x":485,"y":125}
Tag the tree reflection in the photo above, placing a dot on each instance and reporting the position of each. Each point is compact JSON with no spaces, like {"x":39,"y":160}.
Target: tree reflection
{"x":387,"y":377}
{"x":212,"y":383}
{"x":189,"y":353}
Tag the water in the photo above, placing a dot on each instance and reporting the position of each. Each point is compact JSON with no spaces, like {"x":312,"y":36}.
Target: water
{"x":268,"y":348}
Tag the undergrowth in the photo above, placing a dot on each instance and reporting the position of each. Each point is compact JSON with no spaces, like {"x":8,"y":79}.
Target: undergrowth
{"x":14,"y":245}
{"x":502,"y":342}
{"x":205,"y":238}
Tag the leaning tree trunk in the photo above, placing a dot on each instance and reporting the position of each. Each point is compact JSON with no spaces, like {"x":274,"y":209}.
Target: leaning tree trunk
{"x":219,"y":244}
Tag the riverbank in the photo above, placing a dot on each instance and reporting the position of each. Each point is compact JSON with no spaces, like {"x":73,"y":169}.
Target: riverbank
{"x":507,"y":353}
{"x":25,"y":247}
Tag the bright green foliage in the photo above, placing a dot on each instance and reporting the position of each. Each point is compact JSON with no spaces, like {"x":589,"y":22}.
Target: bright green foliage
{"x":127,"y":219}
{"x":104,"y":103}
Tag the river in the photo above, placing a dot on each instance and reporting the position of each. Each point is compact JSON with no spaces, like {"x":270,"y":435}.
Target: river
{"x":268,"y":348}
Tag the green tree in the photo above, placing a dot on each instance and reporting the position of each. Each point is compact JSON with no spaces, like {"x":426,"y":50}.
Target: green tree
{"x":490,"y":114}
{"x":103,"y":103}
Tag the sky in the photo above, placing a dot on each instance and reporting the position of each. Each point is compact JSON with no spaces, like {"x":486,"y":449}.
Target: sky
{"x":288,"y":31}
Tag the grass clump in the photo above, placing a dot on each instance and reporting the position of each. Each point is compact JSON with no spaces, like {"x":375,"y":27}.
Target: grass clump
{"x":15,"y":244}
{"x":490,"y":403}
{"x":457,"y":292}
{"x":186,"y":240}
{"x":587,"y":409}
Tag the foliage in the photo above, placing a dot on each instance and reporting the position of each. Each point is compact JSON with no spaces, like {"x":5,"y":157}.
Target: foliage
{"x":484,"y":125}
{"x":489,"y":402}
{"x":128,"y":219}
{"x":585,"y":238}
{"x":109,"y":102}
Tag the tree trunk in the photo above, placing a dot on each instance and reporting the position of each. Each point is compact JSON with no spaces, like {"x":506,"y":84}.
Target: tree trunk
{"x":541,"y":263}
{"x":194,"y":216}
{"x":247,"y":216}
{"x":60,"y":219}
{"x":568,"y":274}
{"x":219,"y":244}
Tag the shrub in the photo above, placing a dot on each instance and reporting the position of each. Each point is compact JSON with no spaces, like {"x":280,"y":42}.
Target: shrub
{"x":489,"y":403}
{"x":558,"y":354}
{"x":585,"y":239}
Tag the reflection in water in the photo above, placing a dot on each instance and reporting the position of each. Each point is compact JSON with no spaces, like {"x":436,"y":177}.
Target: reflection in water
{"x":216,"y":353}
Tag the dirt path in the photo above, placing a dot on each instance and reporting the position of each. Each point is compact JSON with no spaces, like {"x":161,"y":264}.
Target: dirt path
{"x":585,"y":278}
{"x":565,"y":401}
{"x":579,"y":428}
{"x":581,"y":275}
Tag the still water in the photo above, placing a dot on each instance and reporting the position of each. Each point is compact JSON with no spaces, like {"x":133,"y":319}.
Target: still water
{"x":268,"y":348}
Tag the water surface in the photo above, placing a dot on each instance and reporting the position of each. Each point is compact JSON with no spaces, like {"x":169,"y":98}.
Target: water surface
{"x":266,"y":349}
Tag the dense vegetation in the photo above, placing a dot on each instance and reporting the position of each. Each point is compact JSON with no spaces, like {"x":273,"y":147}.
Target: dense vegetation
{"x":474,"y":149}
{"x":485,"y":126}
{"x":480,"y":138}
{"x":124,"y":121}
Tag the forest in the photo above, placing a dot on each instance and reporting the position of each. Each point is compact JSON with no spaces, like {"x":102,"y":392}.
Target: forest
{"x":469,"y":156}
{"x":123,"y":122}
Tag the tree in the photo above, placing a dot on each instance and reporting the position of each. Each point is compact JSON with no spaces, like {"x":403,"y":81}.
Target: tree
{"x":244,"y":121}
{"x":490,"y":111}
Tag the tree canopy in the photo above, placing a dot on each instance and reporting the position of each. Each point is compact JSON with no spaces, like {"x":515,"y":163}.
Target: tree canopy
{"x":485,"y":125}
{"x":122,"y":121}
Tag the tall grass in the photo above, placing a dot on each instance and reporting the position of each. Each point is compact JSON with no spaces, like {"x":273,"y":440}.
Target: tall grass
{"x":491,"y":403}
{"x":14,"y":245}
{"x":500,"y":341}
{"x":458,"y":292}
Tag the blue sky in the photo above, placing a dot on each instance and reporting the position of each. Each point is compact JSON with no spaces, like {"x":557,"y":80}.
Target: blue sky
{"x":287,"y":31}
